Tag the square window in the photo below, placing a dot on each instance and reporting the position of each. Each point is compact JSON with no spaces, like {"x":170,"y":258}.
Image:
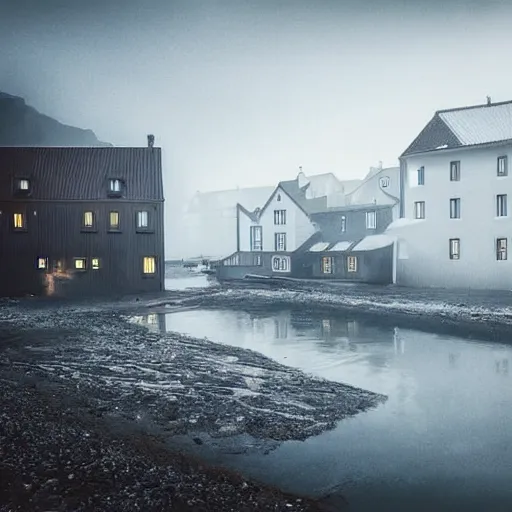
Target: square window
{"x":24,"y":184}
{"x":42,"y":263}
{"x":502,"y":166}
{"x":279,"y":217}
{"x":80,"y":264}
{"x":149,"y":265}
{"x":142,"y":219}
{"x":95,"y":263}
{"x":454,"y":248}
{"x":455,"y":171}
{"x":115,"y":187}
{"x":114,"y":220}
{"x":352,"y":263}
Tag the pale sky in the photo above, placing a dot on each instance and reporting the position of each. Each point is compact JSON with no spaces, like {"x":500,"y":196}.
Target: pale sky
{"x":243,"y":92}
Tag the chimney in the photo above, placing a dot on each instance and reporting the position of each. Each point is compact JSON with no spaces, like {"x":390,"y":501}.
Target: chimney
{"x":488,"y":101}
{"x":151,"y":141}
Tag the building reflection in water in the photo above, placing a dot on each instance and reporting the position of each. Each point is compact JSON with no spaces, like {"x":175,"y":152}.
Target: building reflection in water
{"x":155,"y":322}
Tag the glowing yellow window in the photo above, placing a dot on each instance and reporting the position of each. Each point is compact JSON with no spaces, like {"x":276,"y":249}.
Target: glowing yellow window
{"x":42,"y":263}
{"x":88,"y":219}
{"x":80,"y":263}
{"x":19,"y":221}
{"x":149,"y":265}
{"x":95,"y":263}
{"x":114,"y":220}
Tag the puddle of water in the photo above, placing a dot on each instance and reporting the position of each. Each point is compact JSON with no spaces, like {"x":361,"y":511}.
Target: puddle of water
{"x":442,"y":440}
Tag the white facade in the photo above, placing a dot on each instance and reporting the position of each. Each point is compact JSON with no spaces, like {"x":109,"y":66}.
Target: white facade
{"x":297,"y":229}
{"x":424,"y":245}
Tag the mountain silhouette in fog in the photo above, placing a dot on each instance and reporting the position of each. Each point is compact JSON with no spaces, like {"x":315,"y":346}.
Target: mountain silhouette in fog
{"x":22,"y":125}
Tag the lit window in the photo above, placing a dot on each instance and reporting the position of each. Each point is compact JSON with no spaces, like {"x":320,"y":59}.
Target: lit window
{"x":149,"y":266}
{"x":42,"y":263}
{"x":419,"y":210}
{"x":327,"y":265}
{"x":115,"y":185}
{"x":18,"y":221}
{"x":95,"y":263}
{"x":88,"y":219}
{"x":114,"y":220}
{"x":502,"y":166}
{"x":454,"y":248}
{"x":371,"y":220}
{"x":343,"y":223}
{"x":142,"y":219}
{"x":80,"y":264}
{"x":501,"y":249}
{"x":352,"y":263}
{"x":23,"y":184}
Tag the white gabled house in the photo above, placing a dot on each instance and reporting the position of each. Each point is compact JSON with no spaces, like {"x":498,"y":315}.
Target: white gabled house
{"x":456,"y":224}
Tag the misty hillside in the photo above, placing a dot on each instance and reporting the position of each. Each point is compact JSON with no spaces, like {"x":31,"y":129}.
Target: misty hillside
{"x":22,"y":125}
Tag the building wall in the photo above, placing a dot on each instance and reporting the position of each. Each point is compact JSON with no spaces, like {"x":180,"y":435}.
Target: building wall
{"x":330,"y":223}
{"x":54,"y":231}
{"x":374,"y":267}
{"x":298,"y":227}
{"x":426,"y":245}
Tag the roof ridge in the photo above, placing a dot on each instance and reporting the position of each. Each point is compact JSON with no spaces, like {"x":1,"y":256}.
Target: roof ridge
{"x":469,"y":107}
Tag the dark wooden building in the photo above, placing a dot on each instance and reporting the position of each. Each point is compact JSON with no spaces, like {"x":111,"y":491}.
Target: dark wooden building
{"x":78,"y":221}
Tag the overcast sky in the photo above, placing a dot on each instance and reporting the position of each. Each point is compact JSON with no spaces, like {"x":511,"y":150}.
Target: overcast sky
{"x":242,"y":92}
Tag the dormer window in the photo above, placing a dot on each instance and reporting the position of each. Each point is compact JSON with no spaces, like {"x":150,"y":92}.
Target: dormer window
{"x":22,"y":186}
{"x":115,"y":187}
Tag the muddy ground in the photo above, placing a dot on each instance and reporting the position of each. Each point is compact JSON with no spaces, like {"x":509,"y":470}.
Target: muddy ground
{"x":91,"y":403}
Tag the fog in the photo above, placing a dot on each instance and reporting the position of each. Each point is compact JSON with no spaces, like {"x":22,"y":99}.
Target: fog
{"x":240,"y":93}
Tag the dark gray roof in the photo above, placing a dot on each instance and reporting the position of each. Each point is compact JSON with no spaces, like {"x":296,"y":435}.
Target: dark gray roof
{"x":463,"y":127}
{"x":70,"y":173}
{"x":298,"y":195}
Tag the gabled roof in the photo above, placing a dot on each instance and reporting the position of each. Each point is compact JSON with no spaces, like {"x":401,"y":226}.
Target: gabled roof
{"x":464,"y":127}
{"x":298,"y":195}
{"x":71,"y":173}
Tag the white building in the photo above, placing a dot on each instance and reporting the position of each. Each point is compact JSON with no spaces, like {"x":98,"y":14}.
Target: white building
{"x":456,"y":220}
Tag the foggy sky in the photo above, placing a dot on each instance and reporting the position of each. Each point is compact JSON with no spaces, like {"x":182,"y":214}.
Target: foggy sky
{"x":241,"y":93}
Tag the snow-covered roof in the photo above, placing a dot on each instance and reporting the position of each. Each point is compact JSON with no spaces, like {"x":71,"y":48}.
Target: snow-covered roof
{"x":372,"y":242}
{"x":401,"y":223}
{"x":488,"y":123}
{"x":319,"y":247}
{"x":341,"y":246}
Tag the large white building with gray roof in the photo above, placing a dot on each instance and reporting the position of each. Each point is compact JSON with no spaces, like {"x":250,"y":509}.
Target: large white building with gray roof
{"x":456,"y":195}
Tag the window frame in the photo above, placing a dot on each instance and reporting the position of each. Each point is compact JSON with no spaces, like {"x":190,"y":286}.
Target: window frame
{"x":421,"y":176}
{"x":343,"y":224}
{"x":454,"y":254}
{"x":111,"y":191}
{"x":149,"y":274}
{"x":279,"y":217}
{"x":501,"y":251}
{"x":112,"y":228}
{"x":98,"y":266}
{"x":369,"y":215}
{"x":422,"y":210}
{"x":455,"y":170}
{"x":78,"y":269}
{"x":502,"y":158}
{"x":257,"y":260}
{"x":327,"y":265}
{"x":24,"y":224}
{"x":148,"y":228}
{"x":280,"y":266}
{"x":38,"y":263}
{"x":501,"y":206}
{"x":17,"y":188}
{"x":277,"y":236}
{"x":252,"y":240}
{"x":455,"y":210}
{"x":93,"y":228}
{"x":352,"y":268}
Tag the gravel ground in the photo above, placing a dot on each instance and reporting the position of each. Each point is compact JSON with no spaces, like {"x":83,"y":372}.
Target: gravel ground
{"x":91,"y":400}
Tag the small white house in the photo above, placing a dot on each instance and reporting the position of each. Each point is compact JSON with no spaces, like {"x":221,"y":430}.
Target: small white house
{"x":456,"y":198}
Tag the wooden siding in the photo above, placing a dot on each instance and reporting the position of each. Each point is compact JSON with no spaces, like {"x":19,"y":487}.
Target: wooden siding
{"x":54,"y":231}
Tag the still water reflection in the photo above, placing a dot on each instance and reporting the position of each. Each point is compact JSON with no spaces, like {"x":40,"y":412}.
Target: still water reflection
{"x":441,"y":442}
